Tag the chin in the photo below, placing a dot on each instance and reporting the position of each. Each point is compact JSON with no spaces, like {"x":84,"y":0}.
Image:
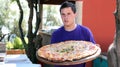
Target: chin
{"x":67,"y":25}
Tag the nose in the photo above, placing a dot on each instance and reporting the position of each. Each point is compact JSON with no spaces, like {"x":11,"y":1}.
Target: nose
{"x":66,"y":16}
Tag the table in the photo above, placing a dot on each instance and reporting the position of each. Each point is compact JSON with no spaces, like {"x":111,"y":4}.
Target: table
{"x":20,"y":65}
{"x":17,"y":60}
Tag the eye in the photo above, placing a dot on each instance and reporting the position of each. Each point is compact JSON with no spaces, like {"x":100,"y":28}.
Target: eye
{"x":62,"y":14}
{"x":68,"y":13}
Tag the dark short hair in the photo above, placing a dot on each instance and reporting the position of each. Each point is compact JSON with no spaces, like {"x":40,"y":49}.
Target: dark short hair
{"x":68,"y":4}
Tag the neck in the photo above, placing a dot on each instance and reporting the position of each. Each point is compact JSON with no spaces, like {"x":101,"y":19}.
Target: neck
{"x":70,"y":28}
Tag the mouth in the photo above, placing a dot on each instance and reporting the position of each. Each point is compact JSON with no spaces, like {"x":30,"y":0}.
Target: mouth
{"x":66,"y":21}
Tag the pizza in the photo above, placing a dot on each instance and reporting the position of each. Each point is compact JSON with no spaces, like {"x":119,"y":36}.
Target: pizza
{"x":67,"y":51}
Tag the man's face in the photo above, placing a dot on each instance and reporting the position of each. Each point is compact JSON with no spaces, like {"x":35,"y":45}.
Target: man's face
{"x":67,"y":16}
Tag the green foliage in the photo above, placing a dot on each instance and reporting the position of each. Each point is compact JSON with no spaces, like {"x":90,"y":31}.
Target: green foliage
{"x":9,"y":45}
{"x":51,"y":15}
{"x":16,"y":44}
{"x":26,"y":40}
{"x":9,"y":16}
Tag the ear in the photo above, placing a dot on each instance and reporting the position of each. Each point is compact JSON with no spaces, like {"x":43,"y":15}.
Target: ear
{"x":75,"y":14}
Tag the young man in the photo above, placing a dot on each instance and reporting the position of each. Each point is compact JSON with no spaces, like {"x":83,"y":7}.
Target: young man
{"x":70,"y":30}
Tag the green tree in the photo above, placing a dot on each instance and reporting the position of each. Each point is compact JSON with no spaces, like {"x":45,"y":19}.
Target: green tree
{"x":51,"y":18}
{"x":32,"y":45}
{"x":9,"y":17}
{"x":14,"y":20}
{"x":4,"y":11}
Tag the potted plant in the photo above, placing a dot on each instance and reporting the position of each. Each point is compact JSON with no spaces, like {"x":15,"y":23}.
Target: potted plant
{"x":15,"y":47}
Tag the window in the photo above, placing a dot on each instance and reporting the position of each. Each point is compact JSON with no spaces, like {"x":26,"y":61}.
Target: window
{"x":51,"y":17}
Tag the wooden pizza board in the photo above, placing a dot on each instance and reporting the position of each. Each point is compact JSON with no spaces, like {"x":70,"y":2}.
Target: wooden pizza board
{"x":83,"y":60}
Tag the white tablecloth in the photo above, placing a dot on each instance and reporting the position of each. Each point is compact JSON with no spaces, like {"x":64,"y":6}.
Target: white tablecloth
{"x":20,"y":65}
{"x":17,"y":60}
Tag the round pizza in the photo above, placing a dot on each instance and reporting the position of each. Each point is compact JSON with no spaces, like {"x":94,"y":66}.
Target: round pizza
{"x":67,"y":51}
